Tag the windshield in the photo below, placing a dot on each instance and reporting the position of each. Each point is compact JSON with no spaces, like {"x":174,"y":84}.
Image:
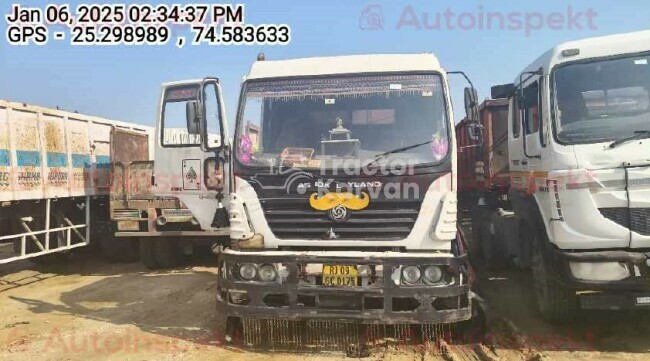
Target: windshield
{"x":603,"y":100}
{"x":341,"y":122}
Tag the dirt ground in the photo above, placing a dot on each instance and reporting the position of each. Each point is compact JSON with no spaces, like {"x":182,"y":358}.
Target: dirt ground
{"x":92,"y":310}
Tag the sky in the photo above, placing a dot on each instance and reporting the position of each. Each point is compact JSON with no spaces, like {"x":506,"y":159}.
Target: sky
{"x":123,"y":83}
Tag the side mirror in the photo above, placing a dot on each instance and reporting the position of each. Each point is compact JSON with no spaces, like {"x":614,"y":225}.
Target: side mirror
{"x":471,"y":105}
{"x":475,"y":132}
{"x":192,"y":117}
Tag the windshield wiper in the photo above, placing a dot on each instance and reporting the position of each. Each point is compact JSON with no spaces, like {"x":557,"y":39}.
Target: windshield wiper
{"x":638,"y":134}
{"x":398,"y":150}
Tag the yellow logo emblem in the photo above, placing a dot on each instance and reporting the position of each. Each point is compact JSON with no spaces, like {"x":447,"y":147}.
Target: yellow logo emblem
{"x":345,"y":199}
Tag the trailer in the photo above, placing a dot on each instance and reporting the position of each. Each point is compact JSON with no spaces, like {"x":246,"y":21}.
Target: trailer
{"x":483,"y":164}
{"x":54,"y":180}
{"x":484,"y":169}
{"x":574,"y":209}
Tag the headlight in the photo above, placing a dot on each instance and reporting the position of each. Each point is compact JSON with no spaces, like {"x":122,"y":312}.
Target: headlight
{"x":411,"y":275}
{"x":267,"y":273}
{"x":248,"y":271}
{"x":364,"y":270}
{"x":432,"y":274}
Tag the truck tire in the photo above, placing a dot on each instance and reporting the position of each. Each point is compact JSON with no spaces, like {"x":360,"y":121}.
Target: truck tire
{"x":167,"y":253}
{"x":555,"y":302}
{"x":490,"y":249}
{"x":147,"y":255}
{"x":480,"y":216}
{"x":118,"y":250}
{"x":494,"y":239}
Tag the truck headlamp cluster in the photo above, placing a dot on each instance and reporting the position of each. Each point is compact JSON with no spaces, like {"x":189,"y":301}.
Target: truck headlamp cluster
{"x":412,"y":275}
{"x":432,"y":274}
{"x":252,"y":272}
{"x":267,"y":273}
{"x":247,"y":271}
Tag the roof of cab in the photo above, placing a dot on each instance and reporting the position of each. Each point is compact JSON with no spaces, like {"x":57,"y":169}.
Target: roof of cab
{"x":349,"y":64}
{"x":590,"y":48}
{"x":180,"y":82}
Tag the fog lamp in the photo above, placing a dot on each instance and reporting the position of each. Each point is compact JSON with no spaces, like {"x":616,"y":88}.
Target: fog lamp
{"x":411,"y":275}
{"x":247,"y":271}
{"x":432,"y":274}
{"x":267,"y":273}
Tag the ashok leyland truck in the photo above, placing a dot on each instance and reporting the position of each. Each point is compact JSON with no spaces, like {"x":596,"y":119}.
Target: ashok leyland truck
{"x":338,"y":188}
{"x":577,"y":207}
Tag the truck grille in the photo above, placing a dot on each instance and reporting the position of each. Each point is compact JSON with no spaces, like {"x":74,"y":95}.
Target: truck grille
{"x":636,"y":219}
{"x":293,"y":218}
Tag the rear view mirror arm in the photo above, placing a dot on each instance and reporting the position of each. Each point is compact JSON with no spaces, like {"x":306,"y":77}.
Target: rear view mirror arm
{"x":202,"y":116}
{"x":471,"y":108}
{"x":458,"y":72}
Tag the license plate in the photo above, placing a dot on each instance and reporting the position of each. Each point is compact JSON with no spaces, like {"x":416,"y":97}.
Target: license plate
{"x":128,"y":226}
{"x":337,"y":275}
{"x":177,"y":215}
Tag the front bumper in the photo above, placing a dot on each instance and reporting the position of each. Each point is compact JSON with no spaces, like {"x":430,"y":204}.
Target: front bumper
{"x":632,"y":292}
{"x":293,"y":300}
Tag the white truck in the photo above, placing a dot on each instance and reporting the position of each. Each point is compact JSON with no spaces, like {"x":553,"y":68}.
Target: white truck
{"x":338,"y":194}
{"x":55,"y":180}
{"x":156,"y":227}
{"x":153,"y":203}
{"x":579,"y":158}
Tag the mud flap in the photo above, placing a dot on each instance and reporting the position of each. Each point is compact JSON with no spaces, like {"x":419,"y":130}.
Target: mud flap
{"x":220,"y":219}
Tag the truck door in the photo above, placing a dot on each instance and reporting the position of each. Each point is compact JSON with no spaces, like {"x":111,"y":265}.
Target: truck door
{"x":524,"y":140}
{"x":186,"y":165}
{"x":638,"y":190}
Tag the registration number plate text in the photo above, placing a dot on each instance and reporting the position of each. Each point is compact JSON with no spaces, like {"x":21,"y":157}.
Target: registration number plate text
{"x":128,"y":226}
{"x":338,"y":275}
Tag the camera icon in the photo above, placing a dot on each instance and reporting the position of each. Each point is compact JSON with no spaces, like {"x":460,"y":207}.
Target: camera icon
{"x":371,"y":18}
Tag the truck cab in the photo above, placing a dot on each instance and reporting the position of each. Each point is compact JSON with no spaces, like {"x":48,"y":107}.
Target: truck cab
{"x":340,"y":188}
{"x":579,"y":168}
{"x":160,"y":206}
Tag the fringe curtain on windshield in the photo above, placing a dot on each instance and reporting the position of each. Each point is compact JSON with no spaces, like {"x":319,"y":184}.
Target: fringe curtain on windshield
{"x":349,"y":87}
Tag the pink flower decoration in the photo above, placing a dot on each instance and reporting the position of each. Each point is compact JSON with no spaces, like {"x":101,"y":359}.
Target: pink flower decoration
{"x":439,"y":146}
{"x":245,"y":149}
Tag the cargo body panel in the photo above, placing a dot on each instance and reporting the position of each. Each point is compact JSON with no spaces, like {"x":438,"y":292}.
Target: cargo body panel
{"x":49,"y":153}
{"x":482,"y":167}
{"x":55,"y":180}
